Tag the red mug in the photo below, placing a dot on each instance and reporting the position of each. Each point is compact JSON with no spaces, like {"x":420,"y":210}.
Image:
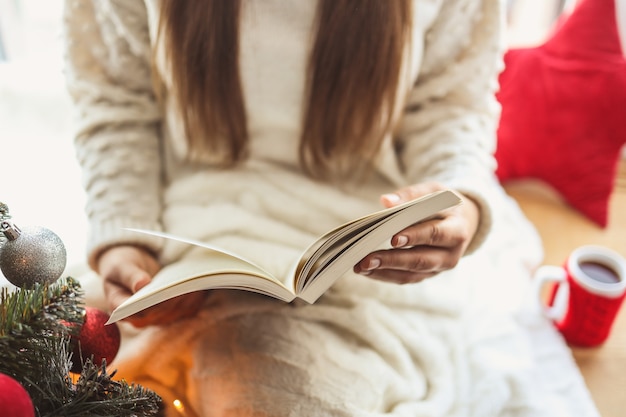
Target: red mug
{"x":587,"y":294}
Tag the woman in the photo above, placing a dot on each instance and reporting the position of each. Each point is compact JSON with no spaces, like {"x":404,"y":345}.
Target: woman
{"x":258,"y":125}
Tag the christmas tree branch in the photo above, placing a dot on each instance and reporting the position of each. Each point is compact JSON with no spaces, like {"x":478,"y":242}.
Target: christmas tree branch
{"x":43,"y":310}
{"x":29,"y":318}
{"x":95,"y":393}
{"x":36,"y":330}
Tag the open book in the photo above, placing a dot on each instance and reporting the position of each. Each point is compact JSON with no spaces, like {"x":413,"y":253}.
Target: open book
{"x":323,"y":262}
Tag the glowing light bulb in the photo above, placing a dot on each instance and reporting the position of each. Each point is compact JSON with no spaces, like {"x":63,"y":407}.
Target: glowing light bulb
{"x":178,"y":405}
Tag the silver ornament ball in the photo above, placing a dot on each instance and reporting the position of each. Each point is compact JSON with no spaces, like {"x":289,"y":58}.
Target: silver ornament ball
{"x":36,"y":255}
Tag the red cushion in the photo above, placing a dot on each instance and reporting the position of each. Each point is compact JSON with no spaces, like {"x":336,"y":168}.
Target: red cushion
{"x":563,"y":115}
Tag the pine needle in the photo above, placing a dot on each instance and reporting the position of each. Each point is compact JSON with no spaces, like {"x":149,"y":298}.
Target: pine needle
{"x":36,"y":330}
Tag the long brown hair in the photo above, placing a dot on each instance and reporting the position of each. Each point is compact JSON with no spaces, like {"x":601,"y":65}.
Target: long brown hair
{"x":352,"y":78}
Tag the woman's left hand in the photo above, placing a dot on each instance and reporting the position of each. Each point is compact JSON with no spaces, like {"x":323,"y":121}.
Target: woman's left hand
{"x":424,"y":249}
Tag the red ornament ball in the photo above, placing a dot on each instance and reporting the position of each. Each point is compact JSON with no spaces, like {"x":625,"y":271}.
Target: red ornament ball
{"x":96,"y":338}
{"x":14,"y":399}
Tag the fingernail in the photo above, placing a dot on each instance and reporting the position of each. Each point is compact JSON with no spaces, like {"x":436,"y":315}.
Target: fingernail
{"x":401,"y":241}
{"x":372,"y":264}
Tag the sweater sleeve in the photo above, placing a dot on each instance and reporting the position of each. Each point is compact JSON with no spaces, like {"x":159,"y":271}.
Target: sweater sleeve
{"x":108,"y":75}
{"x":448,"y":130}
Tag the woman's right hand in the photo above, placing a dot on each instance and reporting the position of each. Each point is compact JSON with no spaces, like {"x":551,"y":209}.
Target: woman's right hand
{"x":126,"y":269}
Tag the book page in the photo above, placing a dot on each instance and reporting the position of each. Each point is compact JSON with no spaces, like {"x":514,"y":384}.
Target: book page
{"x":335,"y":236}
{"x":195,"y":242}
{"x":213,"y":270}
{"x":329,"y":265}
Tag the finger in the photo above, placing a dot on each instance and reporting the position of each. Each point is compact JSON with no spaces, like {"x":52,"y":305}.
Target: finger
{"x":122,"y":282}
{"x":115,"y":294}
{"x":418,"y":260}
{"x":130,"y":276}
{"x":444,"y":233}
{"x":410,"y":193}
{"x":400,"y":277}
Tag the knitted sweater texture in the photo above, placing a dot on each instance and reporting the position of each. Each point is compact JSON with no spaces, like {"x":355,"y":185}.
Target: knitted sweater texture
{"x":133,"y":152}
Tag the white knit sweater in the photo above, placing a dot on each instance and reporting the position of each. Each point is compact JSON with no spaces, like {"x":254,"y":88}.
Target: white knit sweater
{"x":136,"y":171}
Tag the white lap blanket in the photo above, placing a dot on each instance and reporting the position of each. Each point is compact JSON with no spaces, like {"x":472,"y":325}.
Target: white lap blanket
{"x":466,"y":343}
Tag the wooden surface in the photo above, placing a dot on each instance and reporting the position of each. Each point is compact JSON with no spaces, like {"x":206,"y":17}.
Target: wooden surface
{"x":563,"y":230}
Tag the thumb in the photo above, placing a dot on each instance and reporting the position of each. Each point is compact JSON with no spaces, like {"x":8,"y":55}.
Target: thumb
{"x":139,"y":279}
{"x":128,"y":276}
{"x":391,"y":199}
{"x":123,"y":283}
{"x":409,"y":193}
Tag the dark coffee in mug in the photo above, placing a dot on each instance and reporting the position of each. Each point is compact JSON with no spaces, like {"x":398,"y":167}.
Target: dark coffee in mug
{"x":599,"y":272}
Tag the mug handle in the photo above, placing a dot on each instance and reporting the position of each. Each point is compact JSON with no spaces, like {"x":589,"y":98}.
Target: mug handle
{"x":555,"y":274}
